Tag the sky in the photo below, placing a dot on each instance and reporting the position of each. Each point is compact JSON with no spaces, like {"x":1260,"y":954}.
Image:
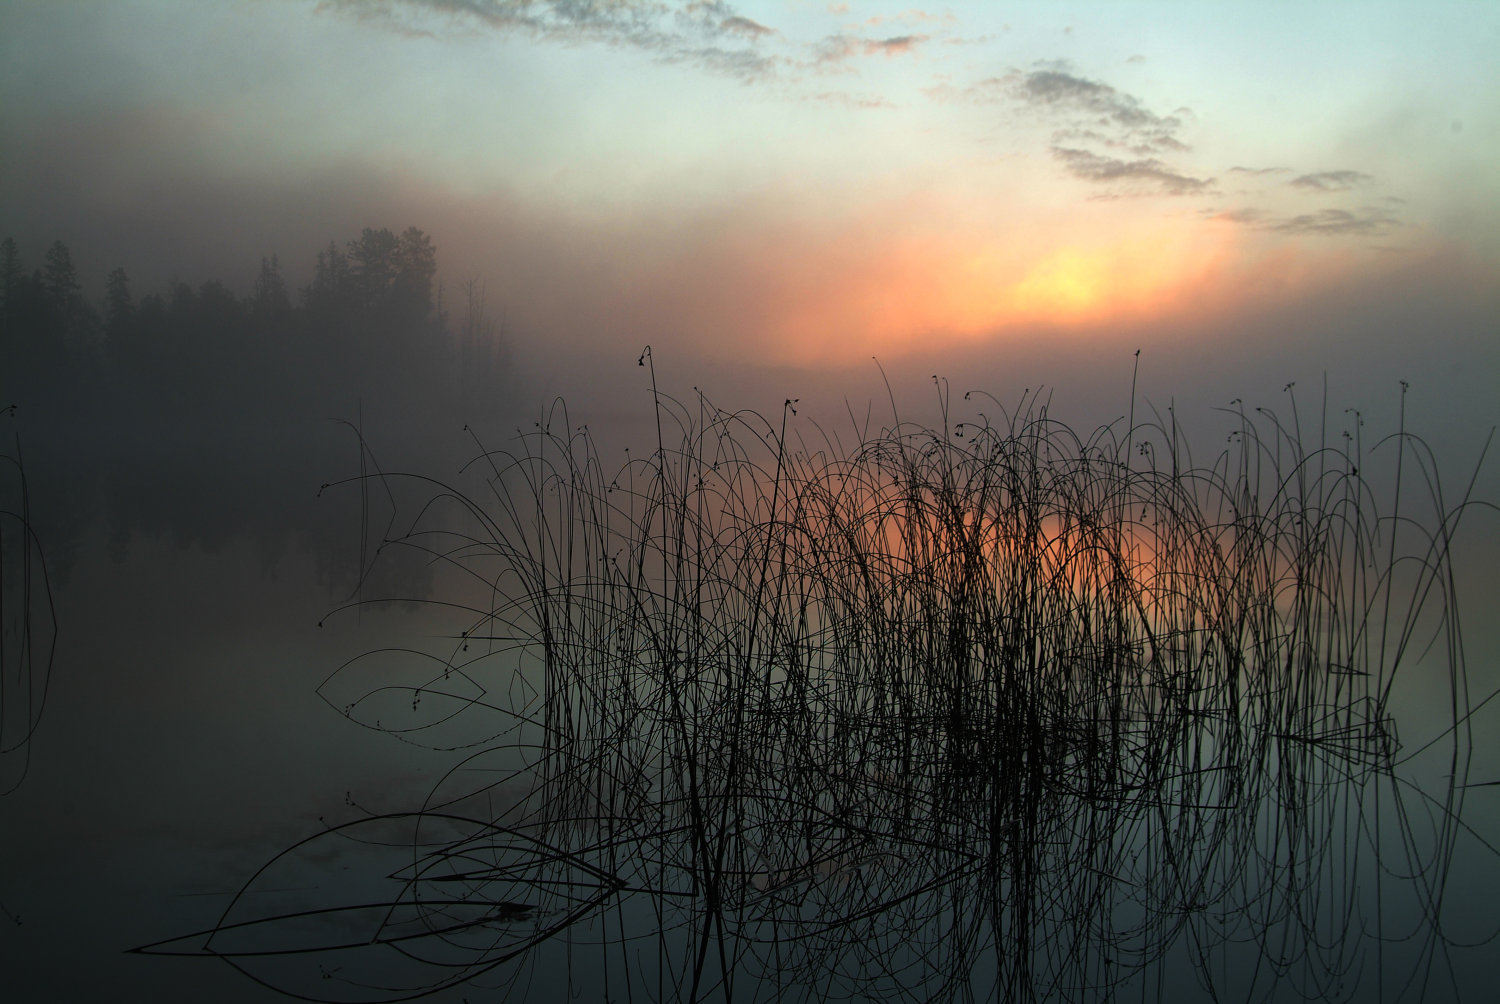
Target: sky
{"x":787,"y":184}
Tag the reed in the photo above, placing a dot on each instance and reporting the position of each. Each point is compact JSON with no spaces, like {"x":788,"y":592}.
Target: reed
{"x":979,"y":710}
{"x":28,"y":625}
{"x":28,"y":619}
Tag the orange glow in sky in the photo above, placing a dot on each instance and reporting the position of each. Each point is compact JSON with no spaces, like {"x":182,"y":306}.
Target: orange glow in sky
{"x":922,"y":291}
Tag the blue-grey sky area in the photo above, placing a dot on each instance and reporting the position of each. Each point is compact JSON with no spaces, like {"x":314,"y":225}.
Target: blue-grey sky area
{"x":1252,"y":194}
{"x":804,"y":184}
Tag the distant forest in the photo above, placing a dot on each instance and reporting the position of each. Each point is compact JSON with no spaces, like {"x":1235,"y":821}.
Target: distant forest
{"x":370,"y":331}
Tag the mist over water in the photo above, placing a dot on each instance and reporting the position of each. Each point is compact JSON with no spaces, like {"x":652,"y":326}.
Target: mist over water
{"x":201,"y":569}
{"x":842,"y":500}
{"x":267,"y":557}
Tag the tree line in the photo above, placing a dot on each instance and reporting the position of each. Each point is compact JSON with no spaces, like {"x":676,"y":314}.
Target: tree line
{"x":370,"y":330}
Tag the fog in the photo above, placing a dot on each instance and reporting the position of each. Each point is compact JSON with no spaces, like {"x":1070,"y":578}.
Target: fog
{"x":276,"y":276}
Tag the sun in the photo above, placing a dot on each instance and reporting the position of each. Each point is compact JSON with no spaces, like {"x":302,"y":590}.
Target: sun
{"x":1067,"y":285}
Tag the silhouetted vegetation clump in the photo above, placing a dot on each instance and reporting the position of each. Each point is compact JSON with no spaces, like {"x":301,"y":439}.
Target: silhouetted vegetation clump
{"x":196,"y":415}
{"x":984,"y":710}
{"x":368,"y":328}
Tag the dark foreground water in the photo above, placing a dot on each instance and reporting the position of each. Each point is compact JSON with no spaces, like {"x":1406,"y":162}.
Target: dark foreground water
{"x":184,"y":744}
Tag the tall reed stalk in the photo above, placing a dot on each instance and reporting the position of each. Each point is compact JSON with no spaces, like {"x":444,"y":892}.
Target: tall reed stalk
{"x":28,"y":620}
{"x":990,"y":710}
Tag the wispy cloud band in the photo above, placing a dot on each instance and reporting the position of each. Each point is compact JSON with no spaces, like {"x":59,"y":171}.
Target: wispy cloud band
{"x":710,"y":33}
{"x":1094,"y":167}
{"x":1330,"y":181}
{"x":1363,"y":222}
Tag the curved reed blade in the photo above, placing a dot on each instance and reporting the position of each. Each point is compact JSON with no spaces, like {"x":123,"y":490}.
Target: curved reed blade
{"x":987,"y":710}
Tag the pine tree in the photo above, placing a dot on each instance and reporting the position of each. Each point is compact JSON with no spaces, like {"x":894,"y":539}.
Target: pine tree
{"x":59,"y":277}
{"x":118,"y":304}
{"x":268,"y":298}
{"x":11,"y":276}
{"x":416,"y":261}
{"x":331,"y":285}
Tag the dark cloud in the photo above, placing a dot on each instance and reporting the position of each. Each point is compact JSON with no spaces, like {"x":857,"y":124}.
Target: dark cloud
{"x":835,"y":50}
{"x":1097,"y":121}
{"x":752,"y":30}
{"x":1246,"y":216}
{"x":895,"y":46}
{"x":1330,"y":181}
{"x":1152,"y":173}
{"x":1087,"y":107}
{"x":1067,"y":93}
{"x":1366,"y":222}
{"x":632,"y":21}
{"x":1337,"y":222}
{"x":697,"y":33}
{"x":1138,"y":145}
{"x":739,"y":63}
{"x":710,"y":34}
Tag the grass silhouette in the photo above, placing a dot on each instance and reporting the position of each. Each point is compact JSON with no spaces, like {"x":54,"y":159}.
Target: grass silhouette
{"x":27,"y":617}
{"x":28,"y":626}
{"x":989,"y":710}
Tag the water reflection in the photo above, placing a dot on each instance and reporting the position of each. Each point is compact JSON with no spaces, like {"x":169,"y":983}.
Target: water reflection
{"x":28,"y":620}
{"x":998,"y":712}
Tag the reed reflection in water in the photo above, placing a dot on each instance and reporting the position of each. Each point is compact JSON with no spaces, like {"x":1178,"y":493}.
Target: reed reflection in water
{"x":990,"y":710}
